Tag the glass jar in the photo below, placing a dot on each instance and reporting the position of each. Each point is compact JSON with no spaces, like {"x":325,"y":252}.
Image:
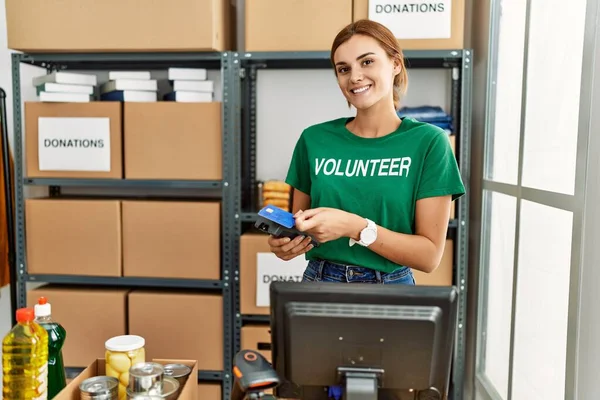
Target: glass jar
{"x":121,"y":353}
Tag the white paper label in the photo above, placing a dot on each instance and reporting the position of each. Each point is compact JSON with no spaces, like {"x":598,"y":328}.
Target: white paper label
{"x":269,"y":269}
{"x":74,"y":144}
{"x":414,"y":19}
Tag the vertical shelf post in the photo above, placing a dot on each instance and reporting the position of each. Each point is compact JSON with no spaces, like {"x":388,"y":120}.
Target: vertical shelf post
{"x":463,"y":80}
{"x":21,"y":262}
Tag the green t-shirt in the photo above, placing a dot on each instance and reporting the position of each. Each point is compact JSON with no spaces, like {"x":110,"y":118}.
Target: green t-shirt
{"x":377,"y":178}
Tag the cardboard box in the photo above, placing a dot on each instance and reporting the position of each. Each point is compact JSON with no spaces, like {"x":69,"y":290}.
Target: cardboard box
{"x":443,"y":275}
{"x":254,"y":283}
{"x":172,"y":239}
{"x":209,"y":391}
{"x":436,"y":28}
{"x":73,"y":237}
{"x":275,"y":25}
{"x":256,"y":337}
{"x":179,"y":325}
{"x":80,"y":140}
{"x":90,"y":317}
{"x":118,"y":25}
{"x":171,"y":140}
{"x":97,"y":368}
{"x":255,"y":278}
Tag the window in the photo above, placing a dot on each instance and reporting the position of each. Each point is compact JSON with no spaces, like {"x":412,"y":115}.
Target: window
{"x":500,"y":284}
{"x":535,"y":101}
{"x":504,"y":144}
{"x":540,"y":341}
{"x":552,"y":105}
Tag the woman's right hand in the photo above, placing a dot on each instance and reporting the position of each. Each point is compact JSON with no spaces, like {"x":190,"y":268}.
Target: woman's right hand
{"x":287,"y":249}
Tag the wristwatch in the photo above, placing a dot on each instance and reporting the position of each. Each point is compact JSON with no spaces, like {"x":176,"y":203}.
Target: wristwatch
{"x":367,"y":236}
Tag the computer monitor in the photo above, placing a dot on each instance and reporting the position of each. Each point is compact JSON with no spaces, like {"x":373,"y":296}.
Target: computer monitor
{"x":369,"y":341}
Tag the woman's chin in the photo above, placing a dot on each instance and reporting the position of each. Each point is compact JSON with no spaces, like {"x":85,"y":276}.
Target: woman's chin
{"x":362,"y":105}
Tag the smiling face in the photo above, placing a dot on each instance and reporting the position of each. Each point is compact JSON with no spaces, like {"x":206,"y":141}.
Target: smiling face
{"x":365,"y":72}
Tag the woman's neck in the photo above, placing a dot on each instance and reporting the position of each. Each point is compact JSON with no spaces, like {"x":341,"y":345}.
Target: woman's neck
{"x":373,"y":123}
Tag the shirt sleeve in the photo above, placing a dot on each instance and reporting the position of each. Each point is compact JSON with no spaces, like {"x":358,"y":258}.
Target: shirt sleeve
{"x":441,"y":174}
{"x":298,"y":175}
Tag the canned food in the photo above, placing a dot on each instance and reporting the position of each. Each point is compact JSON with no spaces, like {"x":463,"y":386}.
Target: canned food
{"x":121,"y":353}
{"x":99,"y":388}
{"x":170,"y":388}
{"x":170,"y":391}
{"x":146,"y":378}
{"x":179,"y":372}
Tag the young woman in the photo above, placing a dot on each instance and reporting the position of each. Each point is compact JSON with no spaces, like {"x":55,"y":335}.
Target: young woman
{"x":375,"y":190}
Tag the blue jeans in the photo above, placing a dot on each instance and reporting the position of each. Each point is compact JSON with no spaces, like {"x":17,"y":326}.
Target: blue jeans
{"x":327,"y":271}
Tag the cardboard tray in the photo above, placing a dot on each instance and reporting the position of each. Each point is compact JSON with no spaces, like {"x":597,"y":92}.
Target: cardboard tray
{"x":97,"y":368}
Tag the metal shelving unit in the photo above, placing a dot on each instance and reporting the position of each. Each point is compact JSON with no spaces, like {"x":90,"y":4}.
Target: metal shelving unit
{"x":122,"y":183}
{"x":239,"y":71}
{"x":226,"y":188}
{"x":459,"y":64}
{"x":125,"y":281}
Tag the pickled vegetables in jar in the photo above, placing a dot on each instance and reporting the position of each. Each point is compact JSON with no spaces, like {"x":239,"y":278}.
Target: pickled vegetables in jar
{"x":121,"y":353}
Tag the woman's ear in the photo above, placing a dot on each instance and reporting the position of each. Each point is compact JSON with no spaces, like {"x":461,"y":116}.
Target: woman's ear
{"x":397,"y":67}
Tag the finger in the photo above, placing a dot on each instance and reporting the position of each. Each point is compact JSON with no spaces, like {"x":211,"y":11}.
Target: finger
{"x":278,"y":242}
{"x":298,"y":213}
{"x":290,"y":256}
{"x":282,"y":249}
{"x":299,"y":248}
{"x":304,"y":247}
{"x":308,"y":214}
{"x":308,"y":248}
{"x":298,"y":251}
{"x":289,"y":246}
{"x":312,"y":212}
{"x":307,"y":225}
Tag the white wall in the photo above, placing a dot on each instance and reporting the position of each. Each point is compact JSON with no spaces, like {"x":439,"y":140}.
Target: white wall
{"x":290,"y":100}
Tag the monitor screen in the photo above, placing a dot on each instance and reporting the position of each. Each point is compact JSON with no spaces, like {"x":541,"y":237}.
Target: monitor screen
{"x":364,"y":340}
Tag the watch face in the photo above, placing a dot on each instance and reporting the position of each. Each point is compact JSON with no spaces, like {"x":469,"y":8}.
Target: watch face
{"x":368,"y":236}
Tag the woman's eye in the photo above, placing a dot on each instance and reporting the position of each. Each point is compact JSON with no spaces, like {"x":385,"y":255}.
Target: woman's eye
{"x":342,"y":70}
{"x":367,"y":62}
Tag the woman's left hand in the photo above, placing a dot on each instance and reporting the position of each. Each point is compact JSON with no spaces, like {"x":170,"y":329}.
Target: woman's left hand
{"x":327,"y":224}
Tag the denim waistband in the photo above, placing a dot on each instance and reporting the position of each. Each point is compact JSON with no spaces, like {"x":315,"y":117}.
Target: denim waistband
{"x":331,"y":271}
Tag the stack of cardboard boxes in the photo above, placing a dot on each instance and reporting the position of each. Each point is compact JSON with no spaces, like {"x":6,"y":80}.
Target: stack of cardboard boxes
{"x":105,"y":237}
{"x":114,"y":237}
{"x":311,"y":25}
{"x":209,"y":25}
{"x":163,"y":318}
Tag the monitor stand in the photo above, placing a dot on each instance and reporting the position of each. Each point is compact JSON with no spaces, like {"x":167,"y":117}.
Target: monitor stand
{"x":360,"y":383}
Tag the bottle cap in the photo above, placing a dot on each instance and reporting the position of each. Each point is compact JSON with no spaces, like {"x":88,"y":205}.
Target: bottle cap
{"x":24,"y":315}
{"x":42,"y":308}
{"x":125,"y":343}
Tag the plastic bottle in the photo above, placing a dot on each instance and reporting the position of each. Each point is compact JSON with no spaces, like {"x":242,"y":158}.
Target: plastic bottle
{"x":25,"y":359}
{"x":57,"y":335}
